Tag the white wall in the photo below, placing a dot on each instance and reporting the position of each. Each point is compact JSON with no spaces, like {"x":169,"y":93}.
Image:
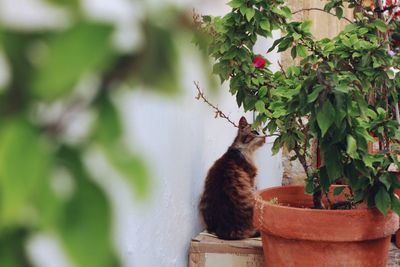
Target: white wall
{"x":180,"y":139}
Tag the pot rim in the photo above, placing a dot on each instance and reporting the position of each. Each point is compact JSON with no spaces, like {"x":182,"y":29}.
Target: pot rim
{"x":258,"y":198}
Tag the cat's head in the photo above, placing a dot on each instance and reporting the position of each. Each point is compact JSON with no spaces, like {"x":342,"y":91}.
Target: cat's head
{"x":248,"y":138}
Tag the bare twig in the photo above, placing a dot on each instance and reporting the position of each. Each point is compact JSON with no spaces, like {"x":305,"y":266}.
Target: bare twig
{"x":283,"y":71}
{"x":319,"y":9}
{"x":218,"y":112}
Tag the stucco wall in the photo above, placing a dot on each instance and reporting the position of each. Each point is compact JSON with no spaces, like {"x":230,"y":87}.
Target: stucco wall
{"x":178,"y":137}
{"x":181,"y":140}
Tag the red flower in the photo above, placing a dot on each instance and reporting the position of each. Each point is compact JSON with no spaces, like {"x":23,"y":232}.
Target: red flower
{"x":259,"y":62}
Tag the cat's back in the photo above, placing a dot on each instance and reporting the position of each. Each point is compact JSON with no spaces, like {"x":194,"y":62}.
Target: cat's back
{"x":230,"y":167}
{"x":226,"y":203}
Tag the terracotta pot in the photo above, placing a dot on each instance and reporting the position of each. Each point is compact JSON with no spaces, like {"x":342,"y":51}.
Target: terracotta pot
{"x":397,"y":192}
{"x":307,"y":237}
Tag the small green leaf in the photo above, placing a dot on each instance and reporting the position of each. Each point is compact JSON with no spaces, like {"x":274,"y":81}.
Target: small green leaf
{"x":265,"y":25}
{"x":71,"y":54}
{"x":235,"y":3}
{"x":382,"y":200}
{"x":351,"y":147}
{"x":25,"y":161}
{"x":250,"y":12}
{"x":315,"y":93}
{"x":301,"y":50}
{"x":386,"y":179}
{"x":262,"y":91}
{"x":293,"y":52}
{"x":85,"y":225}
{"x":132,"y":167}
{"x":284,"y":11}
{"x":325,"y":117}
{"x":13,"y":248}
{"x":338,"y":190}
{"x":108,"y":127}
{"x":306,"y":25}
{"x":260,"y":106}
{"x":380,"y":25}
{"x":296,"y":36}
{"x":339,"y":12}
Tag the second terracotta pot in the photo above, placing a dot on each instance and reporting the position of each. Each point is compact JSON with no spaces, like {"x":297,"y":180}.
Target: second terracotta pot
{"x":295,"y":235}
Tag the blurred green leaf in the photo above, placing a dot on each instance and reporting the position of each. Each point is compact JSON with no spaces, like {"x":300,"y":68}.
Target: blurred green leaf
{"x":12,"y":249}
{"x":158,"y":61}
{"x":74,"y":4}
{"x":85,"y":47}
{"x":130,"y":166}
{"x":24,"y":169}
{"x":108,"y":127}
{"x":85,"y":224}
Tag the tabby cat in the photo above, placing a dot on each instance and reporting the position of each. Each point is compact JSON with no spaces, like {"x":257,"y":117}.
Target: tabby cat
{"x":227,"y":201}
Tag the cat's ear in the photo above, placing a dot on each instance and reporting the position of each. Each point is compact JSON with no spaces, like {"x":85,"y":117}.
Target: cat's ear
{"x":242,"y":123}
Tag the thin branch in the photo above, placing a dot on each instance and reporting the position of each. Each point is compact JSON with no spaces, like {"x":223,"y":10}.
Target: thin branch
{"x":283,"y":71}
{"x":218,"y":112}
{"x":319,"y":9}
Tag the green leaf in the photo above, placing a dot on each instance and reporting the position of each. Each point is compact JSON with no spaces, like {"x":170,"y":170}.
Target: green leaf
{"x":25,"y":161}
{"x":293,"y":52}
{"x":287,"y":13}
{"x":235,"y":3}
{"x":339,"y":12}
{"x":351,"y":147}
{"x":315,"y":93}
{"x":13,"y":248}
{"x":250,"y":12}
{"x":131,"y":166}
{"x":382,"y":200}
{"x":325,"y":117}
{"x":386,"y":179}
{"x":284,"y":11}
{"x":296,"y":36}
{"x":350,"y":27}
{"x":338,"y":190}
{"x":380,"y":25}
{"x":84,"y":48}
{"x":260,"y":106}
{"x":332,"y":161}
{"x":301,"y":50}
{"x":306,"y":25}
{"x":284,"y":44}
{"x":343,"y":88}
{"x":108,"y":127}
{"x":85,"y":223}
{"x":265,"y":25}
{"x":262,"y":91}
{"x":276,"y":146}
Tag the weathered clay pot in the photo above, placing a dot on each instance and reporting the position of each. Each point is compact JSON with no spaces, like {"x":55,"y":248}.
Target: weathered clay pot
{"x":397,"y":192}
{"x":302,"y":236}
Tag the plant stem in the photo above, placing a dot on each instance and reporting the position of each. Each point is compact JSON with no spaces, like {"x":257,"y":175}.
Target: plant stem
{"x":218,"y":112}
{"x":319,"y":9}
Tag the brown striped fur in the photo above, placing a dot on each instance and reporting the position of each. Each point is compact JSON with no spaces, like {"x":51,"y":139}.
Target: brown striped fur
{"x":227,"y":201}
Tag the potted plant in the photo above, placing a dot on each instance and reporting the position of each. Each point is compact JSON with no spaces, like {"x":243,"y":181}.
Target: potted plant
{"x":339,"y":95}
